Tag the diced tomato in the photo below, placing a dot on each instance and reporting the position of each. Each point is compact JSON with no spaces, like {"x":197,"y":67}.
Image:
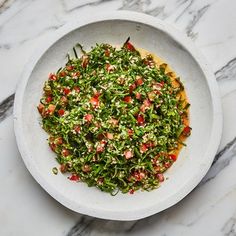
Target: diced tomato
{"x":127,"y":99}
{"x":131,"y":191}
{"x":187,"y":131}
{"x":41,"y":108}
{"x":53,"y":146}
{"x":132,"y":87}
{"x":70,"y":68}
{"x":86,"y":168}
{"x":138,"y":96}
{"x":66,"y":91}
{"x":139,"y":81}
{"x":129,"y":46}
{"x":110,"y":136}
{"x":88,"y":117}
{"x":74,"y":177}
{"x":94,"y":101}
{"x":61,"y":112}
{"x":85,"y":61}
{"x":107,"y":52}
{"x":158,"y":86}
{"x":51,"y":109}
{"x":63,"y":168}
{"x":139,"y":175}
{"x":130,"y":132}
{"x":77,"y":129}
{"x":160,"y":177}
{"x":140,"y":119}
{"x":147,"y":103}
{"x":100,"y":148}
{"x":59,"y":141}
{"x":114,"y":121}
{"x":62,"y":74}
{"x":100,"y":181}
{"x":52,"y":77}
{"x":128,"y":154}
{"x":48,"y":99}
{"x":143,"y":148}
{"x":77,"y":89}
{"x":173,"y":157}
{"x":167,"y":165}
{"x":65,"y":152}
{"x":64,"y":100}
{"x":110,"y":67}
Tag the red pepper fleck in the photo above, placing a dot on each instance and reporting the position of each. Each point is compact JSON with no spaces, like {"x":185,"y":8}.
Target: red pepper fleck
{"x":52,"y":77}
{"x":160,"y":177}
{"x":127,"y":99}
{"x":88,"y":117}
{"x":61,"y":112}
{"x":66,"y":91}
{"x":173,"y":157}
{"x":74,"y":177}
{"x":140,"y":119}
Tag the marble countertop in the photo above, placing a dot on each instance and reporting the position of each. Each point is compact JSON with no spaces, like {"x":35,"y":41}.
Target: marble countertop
{"x":26,"y":209}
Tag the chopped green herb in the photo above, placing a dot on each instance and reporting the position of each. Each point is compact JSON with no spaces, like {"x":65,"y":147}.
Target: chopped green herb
{"x":116,"y":121}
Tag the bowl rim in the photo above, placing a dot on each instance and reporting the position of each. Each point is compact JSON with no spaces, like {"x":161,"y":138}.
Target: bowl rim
{"x":188,"y":45}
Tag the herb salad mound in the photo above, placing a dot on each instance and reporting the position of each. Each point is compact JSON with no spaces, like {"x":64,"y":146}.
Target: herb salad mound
{"x":116,"y":120}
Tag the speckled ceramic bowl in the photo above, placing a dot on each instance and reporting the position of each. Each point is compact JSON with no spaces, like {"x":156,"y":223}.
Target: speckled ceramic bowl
{"x":205,"y":114}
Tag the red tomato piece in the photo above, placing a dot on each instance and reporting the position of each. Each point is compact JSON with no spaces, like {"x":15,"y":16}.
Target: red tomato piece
{"x":129,"y":46}
{"x":77,"y":89}
{"x":160,"y":177}
{"x":139,"y":81}
{"x":52,"y":77}
{"x":132,"y":87}
{"x":173,"y":157}
{"x":128,"y":154}
{"x":74,"y":177}
{"x":70,"y":68}
{"x":127,"y":99}
{"x":61,"y":112}
{"x":65,"y":152}
{"x":187,"y":131}
{"x":51,"y":109}
{"x":138,"y":96}
{"x":140,"y":119}
{"x":88,"y":117}
{"x":66,"y":91}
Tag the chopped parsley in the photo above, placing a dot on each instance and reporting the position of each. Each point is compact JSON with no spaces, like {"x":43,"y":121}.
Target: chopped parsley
{"x":116,"y":120}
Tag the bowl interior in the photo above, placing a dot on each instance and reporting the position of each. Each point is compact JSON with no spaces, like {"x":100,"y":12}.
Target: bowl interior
{"x":78,"y":196}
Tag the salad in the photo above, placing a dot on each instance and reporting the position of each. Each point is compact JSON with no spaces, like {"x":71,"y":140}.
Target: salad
{"x":116,"y":118}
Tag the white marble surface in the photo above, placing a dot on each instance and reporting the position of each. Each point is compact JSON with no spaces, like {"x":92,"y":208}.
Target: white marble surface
{"x":25,"y":208}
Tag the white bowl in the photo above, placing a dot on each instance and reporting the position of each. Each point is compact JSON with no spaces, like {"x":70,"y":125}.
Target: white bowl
{"x":205,"y":114}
